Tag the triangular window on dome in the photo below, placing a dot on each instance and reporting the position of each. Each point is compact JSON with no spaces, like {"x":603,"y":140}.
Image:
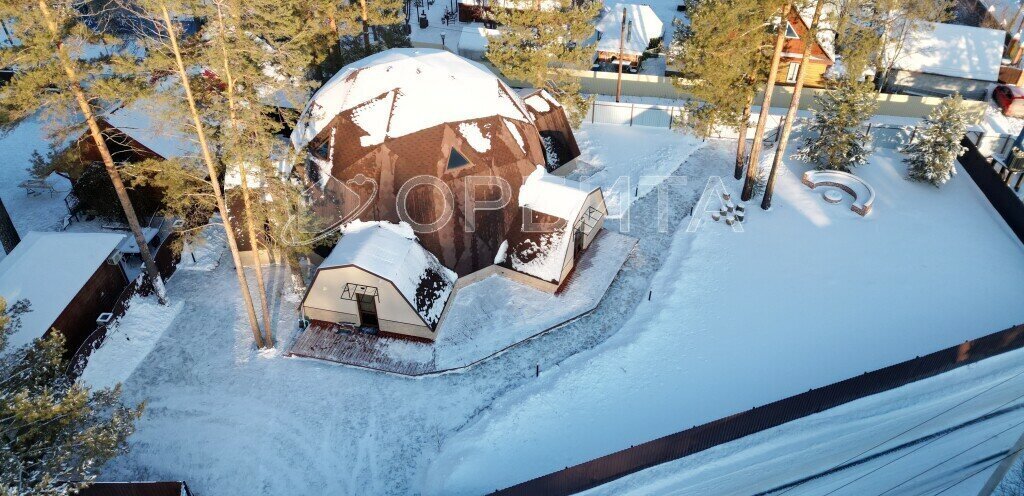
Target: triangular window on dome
{"x":456,"y":160}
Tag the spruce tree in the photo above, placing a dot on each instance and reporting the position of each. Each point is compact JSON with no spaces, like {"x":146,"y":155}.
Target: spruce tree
{"x":838,"y":140}
{"x":718,"y":30}
{"x":536,"y":41}
{"x":932,"y":155}
{"x":57,"y":77}
{"x":52,"y":430}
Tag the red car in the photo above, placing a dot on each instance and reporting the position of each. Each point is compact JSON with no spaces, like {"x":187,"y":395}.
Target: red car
{"x":1010,"y":99}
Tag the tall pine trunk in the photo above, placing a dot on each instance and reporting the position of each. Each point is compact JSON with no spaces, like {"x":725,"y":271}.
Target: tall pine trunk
{"x":250,"y":225}
{"x":366,"y":27}
{"x":794,"y":104}
{"x":8,"y":234}
{"x":218,"y":193}
{"x":741,"y":143}
{"x":773,"y":73}
{"x":152,"y":273}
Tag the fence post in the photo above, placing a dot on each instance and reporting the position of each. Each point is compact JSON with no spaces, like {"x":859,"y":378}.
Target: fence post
{"x":671,"y":116}
{"x":631,"y":107}
{"x":593,"y":110}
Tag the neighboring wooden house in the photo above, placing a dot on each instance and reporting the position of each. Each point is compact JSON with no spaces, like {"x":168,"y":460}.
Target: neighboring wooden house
{"x":940,"y":59}
{"x":643,"y":30}
{"x":133,"y":133}
{"x":479,"y":10}
{"x":821,"y":57}
{"x":69,"y":279}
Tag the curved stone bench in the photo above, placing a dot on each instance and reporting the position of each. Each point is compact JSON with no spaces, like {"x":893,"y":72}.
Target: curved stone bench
{"x":863,"y":194}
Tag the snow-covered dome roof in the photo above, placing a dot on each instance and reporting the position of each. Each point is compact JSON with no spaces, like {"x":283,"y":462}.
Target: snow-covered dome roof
{"x":404,"y":90}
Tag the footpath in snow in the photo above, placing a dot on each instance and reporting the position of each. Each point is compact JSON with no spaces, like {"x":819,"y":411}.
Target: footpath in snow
{"x":808,"y":294}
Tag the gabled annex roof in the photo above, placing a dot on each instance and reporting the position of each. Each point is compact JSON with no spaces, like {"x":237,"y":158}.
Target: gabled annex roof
{"x":392,"y":252}
{"x":404,"y":90}
{"x":49,"y":269}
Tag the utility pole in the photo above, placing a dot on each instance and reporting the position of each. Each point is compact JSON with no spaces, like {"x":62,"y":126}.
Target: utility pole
{"x":622,"y":40}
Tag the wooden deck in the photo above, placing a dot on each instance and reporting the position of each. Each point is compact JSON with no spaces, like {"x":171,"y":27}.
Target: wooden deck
{"x":346,"y":344}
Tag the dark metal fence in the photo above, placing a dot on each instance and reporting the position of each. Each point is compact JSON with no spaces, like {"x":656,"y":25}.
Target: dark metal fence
{"x":136,"y":489}
{"x":674,"y":446}
{"x":999,"y":193}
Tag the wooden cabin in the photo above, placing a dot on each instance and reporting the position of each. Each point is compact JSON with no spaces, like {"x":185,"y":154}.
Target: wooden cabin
{"x":69,"y":279}
{"x":644,"y":29}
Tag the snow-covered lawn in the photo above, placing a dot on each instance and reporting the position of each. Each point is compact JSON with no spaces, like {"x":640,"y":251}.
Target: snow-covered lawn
{"x":230,"y":420}
{"x":629,"y":162}
{"x":808,"y":294}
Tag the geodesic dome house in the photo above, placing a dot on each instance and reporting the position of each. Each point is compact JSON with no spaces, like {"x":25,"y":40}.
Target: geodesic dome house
{"x":418,"y":136}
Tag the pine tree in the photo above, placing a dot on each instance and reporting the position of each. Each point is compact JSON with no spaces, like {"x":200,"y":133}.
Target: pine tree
{"x":364,"y":16}
{"x":251,"y":52}
{"x":932,"y":155}
{"x":534,"y":43}
{"x":810,"y":37}
{"x":718,"y":30}
{"x":53,"y":430}
{"x":773,"y":71}
{"x":58,"y":78}
{"x":838,"y":139}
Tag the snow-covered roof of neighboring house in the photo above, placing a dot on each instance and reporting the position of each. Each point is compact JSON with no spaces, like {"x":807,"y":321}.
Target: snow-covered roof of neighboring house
{"x":542,"y":254}
{"x":826,"y":34}
{"x":514,"y":4}
{"x":952,"y":50}
{"x":149,"y":122}
{"x":1004,"y":12}
{"x":391,"y":251}
{"x":646,"y":26}
{"x":49,"y":269}
{"x":404,"y":90}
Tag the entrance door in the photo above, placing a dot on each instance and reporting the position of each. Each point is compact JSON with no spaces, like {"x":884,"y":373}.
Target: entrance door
{"x":367,"y":310}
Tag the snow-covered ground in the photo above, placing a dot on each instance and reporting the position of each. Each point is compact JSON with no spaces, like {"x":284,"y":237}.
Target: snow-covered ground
{"x":230,"y":420}
{"x":629,"y":162}
{"x":944,"y":433}
{"x":808,"y":294}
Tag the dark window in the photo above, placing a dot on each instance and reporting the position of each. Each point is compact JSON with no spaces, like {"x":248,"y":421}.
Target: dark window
{"x":320,"y":150}
{"x":456,"y":160}
{"x":790,"y":32}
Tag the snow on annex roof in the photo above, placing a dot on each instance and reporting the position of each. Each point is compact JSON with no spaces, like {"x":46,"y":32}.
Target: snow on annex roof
{"x":953,"y":50}
{"x":404,"y":90}
{"x":391,"y":251}
{"x":48,"y":270}
{"x":544,"y":256}
{"x":646,"y":27}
